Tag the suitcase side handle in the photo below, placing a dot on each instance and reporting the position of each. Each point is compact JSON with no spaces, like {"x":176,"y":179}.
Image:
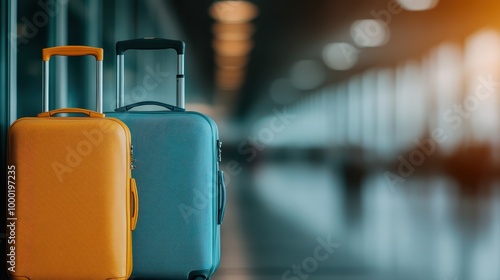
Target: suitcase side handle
{"x":98,"y":53}
{"x":89,"y":113}
{"x":149,"y":43}
{"x":135,"y":204}
{"x":143,"y":103}
{"x":222,"y":197}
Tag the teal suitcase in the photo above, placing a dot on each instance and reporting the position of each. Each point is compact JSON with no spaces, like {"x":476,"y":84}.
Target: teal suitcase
{"x":177,"y":155}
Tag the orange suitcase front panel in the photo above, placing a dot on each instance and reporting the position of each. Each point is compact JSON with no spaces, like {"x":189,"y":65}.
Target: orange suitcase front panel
{"x":74,"y":198}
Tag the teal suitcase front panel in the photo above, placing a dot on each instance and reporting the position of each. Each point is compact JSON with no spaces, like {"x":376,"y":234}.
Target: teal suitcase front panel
{"x":176,"y":169}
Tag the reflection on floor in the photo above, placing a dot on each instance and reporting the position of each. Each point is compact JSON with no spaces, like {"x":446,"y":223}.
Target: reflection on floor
{"x":284,"y":215}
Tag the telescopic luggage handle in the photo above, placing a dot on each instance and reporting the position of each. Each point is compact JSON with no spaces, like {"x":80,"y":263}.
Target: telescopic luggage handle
{"x":149,"y":44}
{"x":47,"y":53}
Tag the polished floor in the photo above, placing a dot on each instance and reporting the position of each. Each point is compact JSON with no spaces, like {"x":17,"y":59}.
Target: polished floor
{"x":298,"y":220}
{"x":426,"y":228}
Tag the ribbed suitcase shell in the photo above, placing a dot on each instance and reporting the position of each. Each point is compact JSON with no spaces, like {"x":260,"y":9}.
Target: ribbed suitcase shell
{"x":176,"y":153}
{"x":75,"y":225}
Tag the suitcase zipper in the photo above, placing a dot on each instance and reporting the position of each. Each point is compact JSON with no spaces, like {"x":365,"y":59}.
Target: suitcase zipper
{"x":132,"y":159}
{"x":219,"y":149}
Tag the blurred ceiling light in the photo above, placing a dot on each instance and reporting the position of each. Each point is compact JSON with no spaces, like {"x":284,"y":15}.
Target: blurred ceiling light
{"x":418,"y":5}
{"x":231,"y":82}
{"x":224,"y":74}
{"x":232,"y":48}
{"x":233,"y":11}
{"x":283,"y":92}
{"x":369,"y":33}
{"x":236,"y":31}
{"x":340,"y":56}
{"x":226,"y":77}
{"x":307,"y":74}
{"x":229,"y":86}
{"x":231,"y":62}
{"x":235,"y":81}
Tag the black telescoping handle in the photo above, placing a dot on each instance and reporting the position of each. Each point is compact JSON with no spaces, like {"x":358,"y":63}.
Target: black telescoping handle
{"x":150,"y":44}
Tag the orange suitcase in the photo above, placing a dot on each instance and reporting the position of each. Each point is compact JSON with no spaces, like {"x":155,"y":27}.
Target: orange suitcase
{"x":75,"y":204}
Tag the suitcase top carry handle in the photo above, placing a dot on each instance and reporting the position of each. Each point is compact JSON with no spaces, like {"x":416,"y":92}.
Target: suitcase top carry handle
{"x":155,"y":103}
{"x":149,"y":44}
{"x":47,"y":53}
{"x":98,"y":53}
{"x":89,"y":113}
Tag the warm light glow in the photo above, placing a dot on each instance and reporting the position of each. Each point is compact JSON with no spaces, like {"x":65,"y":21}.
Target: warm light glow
{"x":482,"y":53}
{"x":230,"y":85}
{"x":230,"y":73}
{"x":232,"y":41}
{"x":340,"y":56}
{"x":369,"y":33}
{"x":418,"y":5}
{"x":233,"y":11}
{"x":231,"y":62}
{"x":232,"y":48}
{"x":236,"y":31}
{"x":482,"y":58}
{"x":236,"y":81}
{"x":307,"y":75}
{"x":229,"y":79}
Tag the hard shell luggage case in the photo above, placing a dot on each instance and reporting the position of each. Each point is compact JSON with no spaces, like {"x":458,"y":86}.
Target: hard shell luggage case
{"x":181,"y":187}
{"x":75,"y":203}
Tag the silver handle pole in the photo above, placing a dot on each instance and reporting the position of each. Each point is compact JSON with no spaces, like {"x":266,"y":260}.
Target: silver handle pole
{"x":45,"y":86}
{"x":99,"y":86}
{"x":120,"y":81}
{"x":181,"y":90}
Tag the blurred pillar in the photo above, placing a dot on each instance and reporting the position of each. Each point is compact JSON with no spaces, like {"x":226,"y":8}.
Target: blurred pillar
{"x":58,"y":36}
{"x":93,"y":37}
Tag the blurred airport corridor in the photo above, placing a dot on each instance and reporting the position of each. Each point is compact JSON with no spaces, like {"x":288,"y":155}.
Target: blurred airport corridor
{"x":361,"y":139}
